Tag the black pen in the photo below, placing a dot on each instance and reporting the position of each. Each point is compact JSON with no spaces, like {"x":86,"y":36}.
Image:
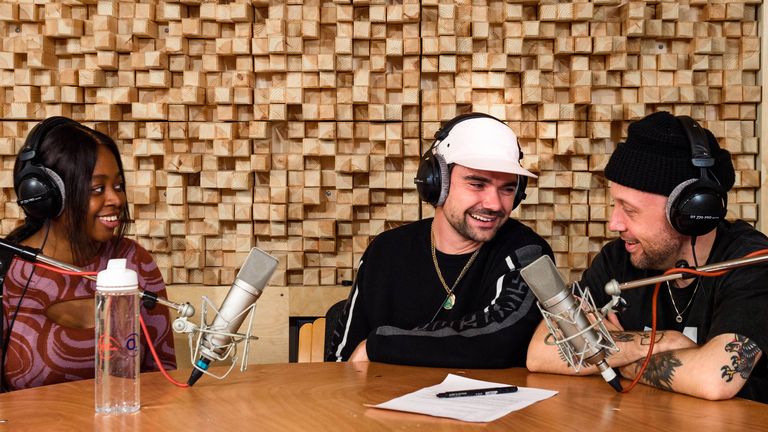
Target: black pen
{"x":478,"y":392}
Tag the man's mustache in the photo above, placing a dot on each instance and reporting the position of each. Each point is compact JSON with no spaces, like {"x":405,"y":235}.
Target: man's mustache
{"x":486,"y":212}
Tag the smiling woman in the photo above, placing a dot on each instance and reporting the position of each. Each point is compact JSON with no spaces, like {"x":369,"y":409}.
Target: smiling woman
{"x":70,"y":182}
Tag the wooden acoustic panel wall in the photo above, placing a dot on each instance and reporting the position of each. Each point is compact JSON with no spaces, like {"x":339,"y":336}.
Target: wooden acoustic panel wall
{"x":297,"y":126}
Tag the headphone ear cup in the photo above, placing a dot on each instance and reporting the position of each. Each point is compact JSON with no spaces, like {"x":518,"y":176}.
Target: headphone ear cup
{"x":425,"y":179}
{"x":445,"y":179}
{"x":433,"y":179}
{"x":59,"y":192}
{"x":696,"y":206}
{"x":522,"y":183}
{"x":40,"y":192}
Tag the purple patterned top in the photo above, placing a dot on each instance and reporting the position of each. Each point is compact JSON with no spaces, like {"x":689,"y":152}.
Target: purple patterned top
{"x":42,"y":351}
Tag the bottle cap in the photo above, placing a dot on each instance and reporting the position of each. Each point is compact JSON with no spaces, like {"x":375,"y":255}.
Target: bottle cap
{"x":117,"y":278}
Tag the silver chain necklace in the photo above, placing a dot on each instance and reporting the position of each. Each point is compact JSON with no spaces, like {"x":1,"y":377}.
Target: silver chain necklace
{"x":679,"y":317}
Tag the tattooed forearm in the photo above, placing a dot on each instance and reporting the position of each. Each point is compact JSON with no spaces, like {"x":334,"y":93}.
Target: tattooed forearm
{"x":744,"y":358}
{"x":661,"y":370}
{"x":645,"y":337}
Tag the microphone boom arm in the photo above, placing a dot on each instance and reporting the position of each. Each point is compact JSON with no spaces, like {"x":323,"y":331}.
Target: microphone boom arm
{"x":35,"y":255}
{"x":614,"y":288}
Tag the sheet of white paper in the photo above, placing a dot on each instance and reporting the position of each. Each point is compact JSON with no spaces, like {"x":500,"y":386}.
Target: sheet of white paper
{"x":484,"y":408}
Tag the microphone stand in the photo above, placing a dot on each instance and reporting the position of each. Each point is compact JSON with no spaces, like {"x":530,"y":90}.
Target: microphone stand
{"x":35,"y":255}
{"x":205,"y":353}
{"x":614,"y":288}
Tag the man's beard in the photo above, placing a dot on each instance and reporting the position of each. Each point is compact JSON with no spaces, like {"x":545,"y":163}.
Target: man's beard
{"x":461,"y":225}
{"x":658,"y":255}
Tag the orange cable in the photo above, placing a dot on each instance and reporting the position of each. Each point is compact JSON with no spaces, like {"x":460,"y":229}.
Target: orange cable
{"x":155,"y":356}
{"x":66,"y":272}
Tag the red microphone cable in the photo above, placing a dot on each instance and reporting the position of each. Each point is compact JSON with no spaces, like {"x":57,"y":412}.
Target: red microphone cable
{"x":159,"y":364}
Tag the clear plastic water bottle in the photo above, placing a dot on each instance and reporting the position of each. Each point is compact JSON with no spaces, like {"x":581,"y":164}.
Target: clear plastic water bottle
{"x":117,"y":339}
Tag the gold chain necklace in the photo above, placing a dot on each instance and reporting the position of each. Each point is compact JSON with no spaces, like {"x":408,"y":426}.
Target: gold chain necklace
{"x":679,"y":317}
{"x":450,"y":300}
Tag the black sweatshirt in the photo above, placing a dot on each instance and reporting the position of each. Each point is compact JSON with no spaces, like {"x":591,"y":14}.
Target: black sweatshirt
{"x":397,"y":293}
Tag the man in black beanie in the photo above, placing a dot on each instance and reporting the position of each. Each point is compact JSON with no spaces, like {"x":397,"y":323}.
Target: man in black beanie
{"x":668,"y":213}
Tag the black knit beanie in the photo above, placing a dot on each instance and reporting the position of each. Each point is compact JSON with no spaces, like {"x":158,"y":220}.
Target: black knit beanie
{"x":657,"y":157}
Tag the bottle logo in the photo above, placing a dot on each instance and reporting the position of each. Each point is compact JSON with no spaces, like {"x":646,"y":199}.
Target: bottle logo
{"x":109,"y":346}
{"x":132,"y":344}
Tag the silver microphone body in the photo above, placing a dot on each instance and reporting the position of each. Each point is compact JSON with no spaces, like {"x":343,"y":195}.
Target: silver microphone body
{"x":229,"y":317}
{"x":575,"y":326}
{"x":246,"y":289}
{"x":580,"y":341}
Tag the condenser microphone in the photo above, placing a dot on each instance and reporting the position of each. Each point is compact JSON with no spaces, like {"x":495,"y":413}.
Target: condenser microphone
{"x":246,"y":289}
{"x":578,"y":340}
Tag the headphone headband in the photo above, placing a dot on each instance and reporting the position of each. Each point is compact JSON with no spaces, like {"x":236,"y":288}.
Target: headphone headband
{"x":701,"y":155}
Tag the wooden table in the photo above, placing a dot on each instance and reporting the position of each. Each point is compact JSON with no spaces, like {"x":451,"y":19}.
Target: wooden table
{"x":330,"y":396}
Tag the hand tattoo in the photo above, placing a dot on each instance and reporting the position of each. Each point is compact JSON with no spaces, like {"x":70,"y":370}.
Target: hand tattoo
{"x":746,"y":352}
{"x":623,"y":336}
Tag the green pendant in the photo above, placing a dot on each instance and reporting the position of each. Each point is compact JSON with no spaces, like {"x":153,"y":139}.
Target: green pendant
{"x":449,"y":302}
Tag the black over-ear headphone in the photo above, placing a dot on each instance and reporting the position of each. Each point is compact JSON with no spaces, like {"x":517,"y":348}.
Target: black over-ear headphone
{"x":696,"y":206}
{"x":39,"y":190}
{"x":433,"y":177}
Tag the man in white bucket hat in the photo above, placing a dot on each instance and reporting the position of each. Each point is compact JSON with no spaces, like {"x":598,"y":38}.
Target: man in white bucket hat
{"x":446,"y":291}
